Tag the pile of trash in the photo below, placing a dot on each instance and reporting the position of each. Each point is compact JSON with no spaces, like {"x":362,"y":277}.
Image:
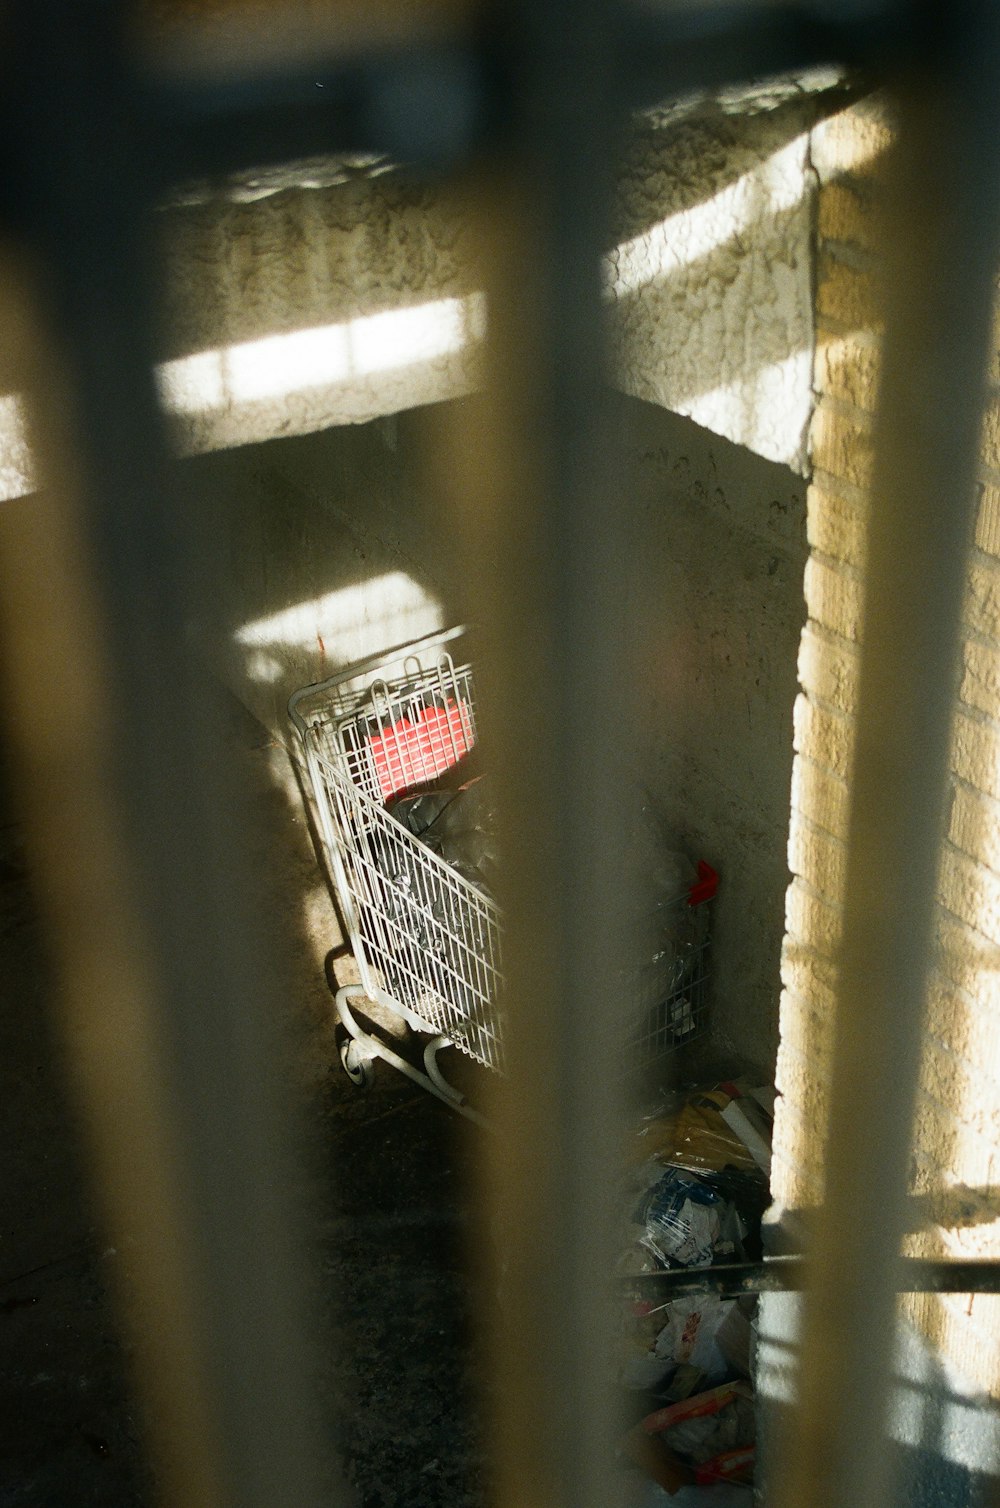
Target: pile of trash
{"x":694,"y":1194}
{"x":454,"y":816}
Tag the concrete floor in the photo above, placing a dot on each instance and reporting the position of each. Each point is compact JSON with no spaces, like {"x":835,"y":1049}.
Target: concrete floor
{"x":392,"y":1170}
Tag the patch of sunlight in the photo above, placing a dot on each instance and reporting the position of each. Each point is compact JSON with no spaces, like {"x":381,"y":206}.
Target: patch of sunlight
{"x":770,"y":188}
{"x":17,"y":468}
{"x":778,"y":395}
{"x":276,"y":366}
{"x":347,"y":371}
{"x":933,"y":1408}
{"x":341,"y":626}
{"x":264,"y":668}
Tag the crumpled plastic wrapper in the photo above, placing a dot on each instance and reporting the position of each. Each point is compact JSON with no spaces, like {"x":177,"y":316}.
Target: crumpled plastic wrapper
{"x":687,"y":1223}
{"x":689,"y":1132}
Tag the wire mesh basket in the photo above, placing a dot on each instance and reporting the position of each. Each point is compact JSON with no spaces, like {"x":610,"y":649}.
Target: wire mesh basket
{"x":426,"y":936}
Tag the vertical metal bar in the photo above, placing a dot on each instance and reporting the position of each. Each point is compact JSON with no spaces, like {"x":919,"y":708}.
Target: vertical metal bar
{"x":177,"y":1062}
{"x":532,"y":483}
{"x":941,"y":262}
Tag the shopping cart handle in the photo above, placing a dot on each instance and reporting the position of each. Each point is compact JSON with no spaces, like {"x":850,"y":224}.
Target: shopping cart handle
{"x":705,"y":886}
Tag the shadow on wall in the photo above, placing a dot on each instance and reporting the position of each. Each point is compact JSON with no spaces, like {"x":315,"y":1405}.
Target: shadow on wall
{"x":305,"y":523}
{"x":711,"y":281}
{"x":958,"y":1105}
{"x":331,"y":549}
{"x":368,"y":365}
{"x":709,"y":314}
{"x":719,"y":557}
{"x":946,"y":1443}
{"x":325,"y":549}
{"x":319,"y":306}
{"x":310,"y":257}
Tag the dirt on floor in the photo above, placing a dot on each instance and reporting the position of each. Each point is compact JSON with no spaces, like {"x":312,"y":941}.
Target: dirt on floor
{"x":393,"y":1171}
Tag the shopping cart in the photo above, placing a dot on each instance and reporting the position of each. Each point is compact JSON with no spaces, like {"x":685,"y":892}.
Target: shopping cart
{"x":427,"y":939}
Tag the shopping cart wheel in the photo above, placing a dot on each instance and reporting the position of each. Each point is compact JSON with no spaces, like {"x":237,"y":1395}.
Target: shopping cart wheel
{"x":359,"y":1069}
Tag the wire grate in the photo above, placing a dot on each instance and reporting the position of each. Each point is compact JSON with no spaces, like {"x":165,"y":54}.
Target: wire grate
{"x":423,"y":934}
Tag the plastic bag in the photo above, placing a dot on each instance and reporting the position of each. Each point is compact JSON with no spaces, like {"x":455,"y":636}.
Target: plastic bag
{"x":639,"y":1366}
{"x":709,"y":1438}
{"x":689,"y":1336}
{"x":714,"y":1430}
{"x":689,"y":1132}
{"x":688,"y":1223}
{"x":455,"y":817}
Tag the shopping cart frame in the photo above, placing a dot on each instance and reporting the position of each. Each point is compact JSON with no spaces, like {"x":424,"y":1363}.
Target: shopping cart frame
{"x":453,"y":1001}
{"x":319,"y":713}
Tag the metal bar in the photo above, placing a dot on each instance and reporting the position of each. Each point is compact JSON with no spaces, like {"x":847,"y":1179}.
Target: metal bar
{"x":791,"y":1274}
{"x":177,"y":1063}
{"x":529,"y":475}
{"x":941,"y":258}
{"x":362,"y":668}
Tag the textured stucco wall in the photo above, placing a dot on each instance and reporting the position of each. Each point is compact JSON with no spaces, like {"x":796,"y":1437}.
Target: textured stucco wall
{"x":341,"y":292}
{"x":721,"y":547}
{"x":711,"y":280}
{"x":285,"y":309}
{"x":324,"y":304}
{"x":366,"y":290}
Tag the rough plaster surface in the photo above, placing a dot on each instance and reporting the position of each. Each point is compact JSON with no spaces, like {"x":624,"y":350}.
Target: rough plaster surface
{"x":315,"y":306}
{"x":328,"y":550}
{"x":711,"y":279}
{"x":332,"y":549}
{"x":365,"y":290}
{"x":287,"y":308}
{"x":721,"y":541}
{"x":18,"y":472}
{"x":343,"y":291}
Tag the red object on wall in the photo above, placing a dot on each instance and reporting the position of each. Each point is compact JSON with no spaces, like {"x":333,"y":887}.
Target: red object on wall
{"x":705,"y":886}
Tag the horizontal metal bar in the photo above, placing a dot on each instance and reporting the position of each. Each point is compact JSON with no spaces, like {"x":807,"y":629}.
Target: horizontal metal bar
{"x":784,"y":1274}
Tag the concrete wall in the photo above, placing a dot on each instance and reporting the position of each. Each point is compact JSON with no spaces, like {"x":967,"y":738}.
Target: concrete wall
{"x":338,"y":292}
{"x":957,"y":1130}
{"x":331,"y":547}
{"x":721,"y":551}
{"x":711,"y":279}
{"x":344,"y":300}
{"x":333,"y":300}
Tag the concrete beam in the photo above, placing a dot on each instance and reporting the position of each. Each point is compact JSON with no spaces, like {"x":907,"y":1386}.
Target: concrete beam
{"x":341,"y":292}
